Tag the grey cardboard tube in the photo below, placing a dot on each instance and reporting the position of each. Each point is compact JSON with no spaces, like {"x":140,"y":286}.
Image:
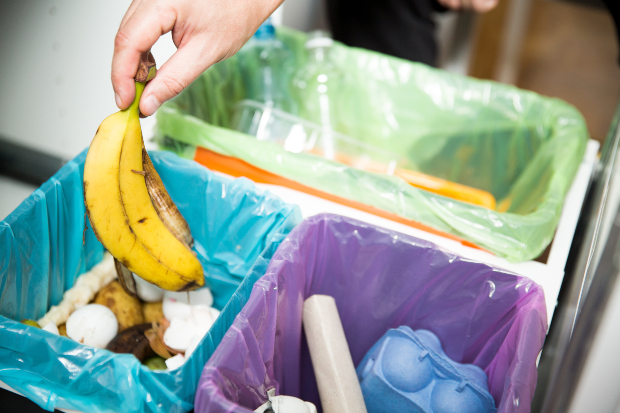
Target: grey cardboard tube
{"x":339,"y":388}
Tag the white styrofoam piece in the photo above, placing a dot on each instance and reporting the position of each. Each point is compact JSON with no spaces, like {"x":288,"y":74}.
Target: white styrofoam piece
{"x":549,"y":275}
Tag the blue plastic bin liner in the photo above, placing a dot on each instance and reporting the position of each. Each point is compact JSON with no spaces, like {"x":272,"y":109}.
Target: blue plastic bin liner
{"x":408,"y":371}
{"x":380,"y":279}
{"x":234,"y":225}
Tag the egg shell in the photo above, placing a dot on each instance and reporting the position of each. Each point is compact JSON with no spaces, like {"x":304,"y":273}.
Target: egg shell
{"x":286,"y":404}
{"x":148,"y":292}
{"x":92,"y":325}
{"x":289,"y":404}
{"x":174,"y":309}
{"x":197,"y":330}
{"x":193,"y":343}
{"x":175,"y":362}
{"x":201,"y":296}
{"x":178,"y":334}
{"x":203,"y":316}
{"x":51,"y":328}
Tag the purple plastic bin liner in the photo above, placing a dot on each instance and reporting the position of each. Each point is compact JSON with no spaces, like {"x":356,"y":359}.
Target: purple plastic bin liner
{"x":380,"y":279}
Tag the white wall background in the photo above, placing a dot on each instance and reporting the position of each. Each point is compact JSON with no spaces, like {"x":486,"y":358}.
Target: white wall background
{"x":55,"y":71}
{"x":55,"y":61}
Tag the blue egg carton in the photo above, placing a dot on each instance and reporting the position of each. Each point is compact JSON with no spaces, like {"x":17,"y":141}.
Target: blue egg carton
{"x":408,"y":371}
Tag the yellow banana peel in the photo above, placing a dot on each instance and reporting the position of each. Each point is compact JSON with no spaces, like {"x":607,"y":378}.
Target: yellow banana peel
{"x":130,"y":210}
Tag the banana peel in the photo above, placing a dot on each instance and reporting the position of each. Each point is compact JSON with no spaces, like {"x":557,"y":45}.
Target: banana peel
{"x":130,"y":210}
{"x":165,"y":207}
{"x":125,"y":278}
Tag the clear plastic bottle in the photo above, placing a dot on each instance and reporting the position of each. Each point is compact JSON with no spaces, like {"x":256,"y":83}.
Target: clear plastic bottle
{"x":267,"y":66}
{"x":317,"y":89}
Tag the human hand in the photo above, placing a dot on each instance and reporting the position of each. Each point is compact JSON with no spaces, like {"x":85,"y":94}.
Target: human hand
{"x":480,"y":6}
{"x":204,"y":33}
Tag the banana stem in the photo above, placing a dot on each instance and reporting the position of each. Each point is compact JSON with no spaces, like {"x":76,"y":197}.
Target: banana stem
{"x":135,"y":106}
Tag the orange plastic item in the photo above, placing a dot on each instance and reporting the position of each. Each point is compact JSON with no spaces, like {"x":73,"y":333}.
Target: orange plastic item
{"x":447,"y":188}
{"x":237,"y":168}
{"x":427,"y":182}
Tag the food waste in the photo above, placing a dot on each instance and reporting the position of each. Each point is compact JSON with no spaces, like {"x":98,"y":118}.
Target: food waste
{"x":160,"y":328}
{"x":128,"y":206}
{"x":148,"y":297}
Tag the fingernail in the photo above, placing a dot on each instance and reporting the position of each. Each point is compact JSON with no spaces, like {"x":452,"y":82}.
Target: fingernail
{"x":118,"y":100}
{"x":150,"y":105}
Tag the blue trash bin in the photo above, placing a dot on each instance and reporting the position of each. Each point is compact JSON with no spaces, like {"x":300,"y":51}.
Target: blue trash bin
{"x":236,"y":228}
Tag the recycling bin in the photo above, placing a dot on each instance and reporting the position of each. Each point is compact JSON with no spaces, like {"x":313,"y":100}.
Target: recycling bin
{"x":380,"y":280}
{"x":45,"y":247}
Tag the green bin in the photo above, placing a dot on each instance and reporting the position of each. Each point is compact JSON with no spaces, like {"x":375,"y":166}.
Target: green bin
{"x":519,"y":146}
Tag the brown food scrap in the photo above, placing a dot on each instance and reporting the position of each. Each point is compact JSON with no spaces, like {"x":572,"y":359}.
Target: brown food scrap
{"x":156,"y":339}
{"x":127,"y":309}
{"x":144,"y":73}
{"x":152,"y":312}
{"x":134,"y":341}
{"x":125,"y":277}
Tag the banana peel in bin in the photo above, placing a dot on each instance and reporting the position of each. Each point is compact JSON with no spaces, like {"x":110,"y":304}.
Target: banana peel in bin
{"x":128,"y":206}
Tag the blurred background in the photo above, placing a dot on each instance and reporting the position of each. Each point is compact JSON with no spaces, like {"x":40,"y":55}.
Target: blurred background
{"x":56,"y":55}
{"x":55,"y":88}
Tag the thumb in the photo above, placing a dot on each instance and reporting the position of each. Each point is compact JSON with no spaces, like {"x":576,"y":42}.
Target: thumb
{"x":185,"y":65}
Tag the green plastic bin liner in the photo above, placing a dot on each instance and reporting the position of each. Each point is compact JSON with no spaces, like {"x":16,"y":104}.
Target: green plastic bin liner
{"x":523,"y":148}
{"x":236,"y":230}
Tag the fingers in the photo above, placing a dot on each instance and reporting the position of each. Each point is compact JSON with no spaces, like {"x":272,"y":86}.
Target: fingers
{"x":185,"y":65}
{"x":132,"y":7}
{"x":139,"y":33}
{"x":480,"y":6}
{"x":204,"y":32}
{"x":483,"y":6}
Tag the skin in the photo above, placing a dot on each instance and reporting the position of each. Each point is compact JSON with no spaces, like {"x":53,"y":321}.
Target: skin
{"x":204,"y":32}
{"x":480,"y":6}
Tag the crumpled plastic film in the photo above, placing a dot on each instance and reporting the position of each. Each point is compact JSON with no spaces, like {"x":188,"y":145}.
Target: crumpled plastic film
{"x":380,"y":280}
{"x":523,"y":148}
{"x":235,"y":227}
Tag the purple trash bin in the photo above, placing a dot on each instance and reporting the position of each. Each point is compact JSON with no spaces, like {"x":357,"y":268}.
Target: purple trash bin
{"x":381,"y":279}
